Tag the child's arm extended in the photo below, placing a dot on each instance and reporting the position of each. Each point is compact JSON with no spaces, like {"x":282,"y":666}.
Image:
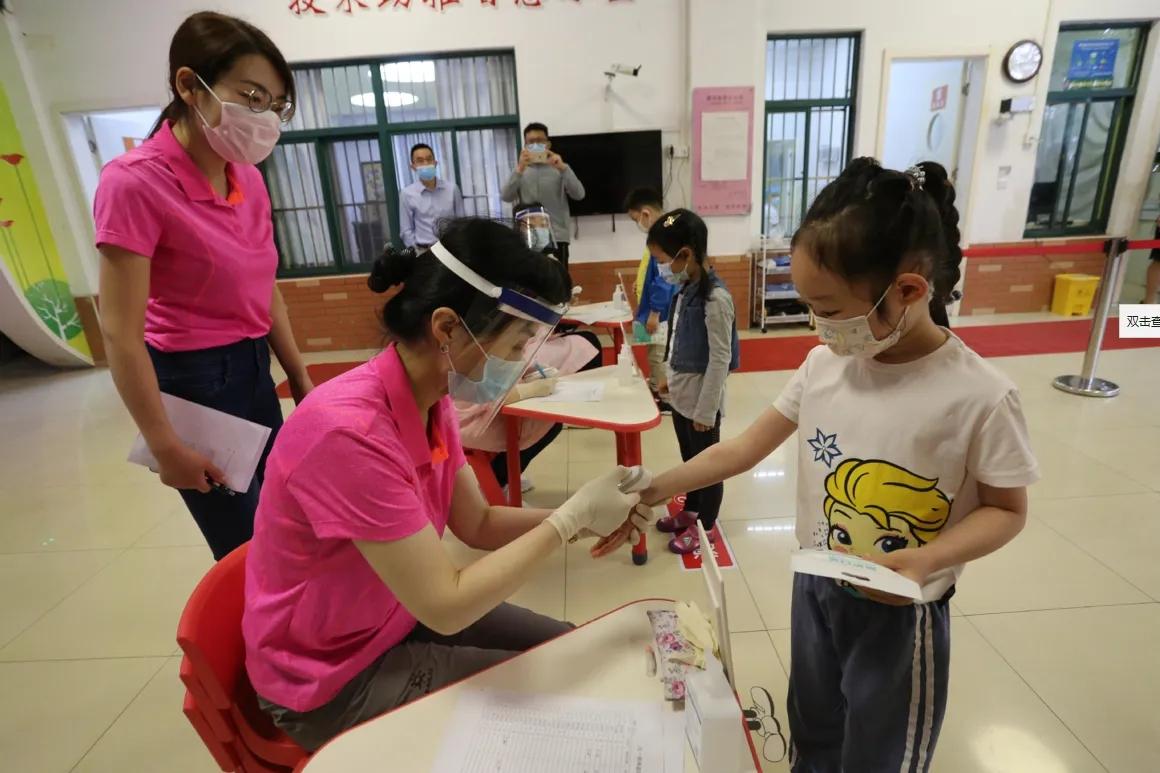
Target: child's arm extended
{"x":1001,"y":514}
{"x":713,"y":465}
{"x":723,"y":460}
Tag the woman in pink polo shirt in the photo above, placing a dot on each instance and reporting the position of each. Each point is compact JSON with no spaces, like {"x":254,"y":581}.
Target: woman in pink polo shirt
{"x":189,"y":306}
{"x":353,"y":605}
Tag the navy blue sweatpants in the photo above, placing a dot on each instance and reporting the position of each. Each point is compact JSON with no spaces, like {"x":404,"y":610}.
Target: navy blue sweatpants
{"x":868,"y":681}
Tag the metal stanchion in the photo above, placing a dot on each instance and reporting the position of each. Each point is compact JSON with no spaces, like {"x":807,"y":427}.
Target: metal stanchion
{"x":1086,"y":383}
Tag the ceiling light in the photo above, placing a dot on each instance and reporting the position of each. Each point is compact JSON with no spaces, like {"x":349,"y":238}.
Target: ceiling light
{"x":409,"y":72}
{"x":390,"y":98}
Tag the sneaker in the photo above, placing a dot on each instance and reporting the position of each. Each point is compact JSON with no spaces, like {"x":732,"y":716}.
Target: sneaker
{"x":675,"y":524}
{"x":664,"y":408}
{"x":684,"y":543}
{"x":526,"y":484}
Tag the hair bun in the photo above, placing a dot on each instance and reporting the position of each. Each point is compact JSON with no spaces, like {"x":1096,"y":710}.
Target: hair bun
{"x":393,"y":267}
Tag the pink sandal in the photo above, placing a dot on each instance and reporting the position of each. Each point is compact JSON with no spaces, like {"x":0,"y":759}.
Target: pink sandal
{"x":689,"y":541}
{"x":675,"y":524}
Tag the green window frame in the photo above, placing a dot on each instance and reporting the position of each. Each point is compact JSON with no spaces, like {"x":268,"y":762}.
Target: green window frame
{"x":809,"y":120}
{"x":1070,"y":133}
{"x":316,"y":210}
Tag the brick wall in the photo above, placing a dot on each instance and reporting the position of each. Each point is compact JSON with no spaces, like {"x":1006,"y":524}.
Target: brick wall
{"x":336,"y":313}
{"x":1022,"y":283}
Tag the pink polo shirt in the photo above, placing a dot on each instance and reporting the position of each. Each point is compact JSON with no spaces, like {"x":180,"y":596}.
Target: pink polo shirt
{"x":353,"y":462}
{"x":213,"y":260}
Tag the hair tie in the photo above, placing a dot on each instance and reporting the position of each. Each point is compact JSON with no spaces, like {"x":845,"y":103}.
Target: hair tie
{"x":392,"y":291}
{"x":917,"y":177}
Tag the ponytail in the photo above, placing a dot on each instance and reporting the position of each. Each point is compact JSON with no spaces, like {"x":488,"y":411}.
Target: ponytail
{"x":946,"y":271}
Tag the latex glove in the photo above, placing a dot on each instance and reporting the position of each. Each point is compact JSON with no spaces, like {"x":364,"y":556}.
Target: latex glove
{"x":698,"y":632}
{"x":538,"y":388}
{"x":637,"y":521}
{"x":598,"y":507}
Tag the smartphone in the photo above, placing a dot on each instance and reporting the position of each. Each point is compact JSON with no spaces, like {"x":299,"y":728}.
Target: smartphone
{"x":538,"y":156}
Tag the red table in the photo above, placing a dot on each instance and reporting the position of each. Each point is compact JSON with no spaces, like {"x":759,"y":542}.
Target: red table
{"x":626,"y":411}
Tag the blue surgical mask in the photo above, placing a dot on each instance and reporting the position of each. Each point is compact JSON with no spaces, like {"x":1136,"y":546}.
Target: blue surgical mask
{"x":670,"y":276}
{"x":426,"y":173}
{"x":537,"y":147}
{"x":541,"y":237}
{"x":499,"y":375}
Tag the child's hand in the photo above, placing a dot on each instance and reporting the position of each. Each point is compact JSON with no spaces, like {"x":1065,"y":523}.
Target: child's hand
{"x":911,"y":563}
{"x":653,"y":323}
{"x":699,"y":427}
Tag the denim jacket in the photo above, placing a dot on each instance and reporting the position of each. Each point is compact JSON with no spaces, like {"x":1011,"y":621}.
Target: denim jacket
{"x":691,"y":336}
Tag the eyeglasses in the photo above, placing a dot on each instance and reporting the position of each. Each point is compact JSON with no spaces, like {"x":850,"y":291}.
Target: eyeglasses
{"x":259,"y":101}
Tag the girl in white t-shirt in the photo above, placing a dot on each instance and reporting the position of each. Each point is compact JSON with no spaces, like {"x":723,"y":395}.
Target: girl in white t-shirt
{"x":912,"y":452}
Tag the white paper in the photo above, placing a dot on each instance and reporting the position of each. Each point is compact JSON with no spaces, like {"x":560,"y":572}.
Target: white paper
{"x":724,"y":146}
{"x":492,"y":731}
{"x":234,"y":445}
{"x":859,"y":571}
{"x":592,"y":313}
{"x":578,"y":392}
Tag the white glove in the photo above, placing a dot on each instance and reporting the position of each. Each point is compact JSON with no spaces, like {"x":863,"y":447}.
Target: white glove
{"x":539,"y":388}
{"x":597,"y":507}
{"x":638,"y":519}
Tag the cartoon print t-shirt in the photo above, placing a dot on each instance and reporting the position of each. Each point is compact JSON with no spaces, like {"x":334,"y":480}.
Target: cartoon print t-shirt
{"x":891,"y":455}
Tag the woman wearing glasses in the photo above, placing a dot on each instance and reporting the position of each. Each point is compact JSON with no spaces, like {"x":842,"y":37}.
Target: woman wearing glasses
{"x":189,"y":306}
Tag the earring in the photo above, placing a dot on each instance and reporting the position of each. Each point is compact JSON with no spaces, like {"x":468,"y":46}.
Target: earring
{"x":444,"y":348}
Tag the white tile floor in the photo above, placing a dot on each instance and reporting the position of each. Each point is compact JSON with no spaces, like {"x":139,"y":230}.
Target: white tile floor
{"x":1054,"y":665}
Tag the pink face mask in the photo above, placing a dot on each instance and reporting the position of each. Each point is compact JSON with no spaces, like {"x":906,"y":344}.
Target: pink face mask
{"x":241,"y":136}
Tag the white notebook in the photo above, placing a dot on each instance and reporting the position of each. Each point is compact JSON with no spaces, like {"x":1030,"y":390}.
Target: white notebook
{"x":234,"y":445}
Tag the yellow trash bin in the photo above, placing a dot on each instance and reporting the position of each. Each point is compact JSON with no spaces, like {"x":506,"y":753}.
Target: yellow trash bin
{"x":1074,"y":294}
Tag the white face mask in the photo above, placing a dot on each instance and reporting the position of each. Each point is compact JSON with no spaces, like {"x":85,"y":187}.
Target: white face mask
{"x":241,"y":136}
{"x":854,"y":337}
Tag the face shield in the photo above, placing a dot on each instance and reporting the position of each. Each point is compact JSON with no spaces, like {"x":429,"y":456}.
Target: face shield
{"x":534,"y":225}
{"x":488,"y":361}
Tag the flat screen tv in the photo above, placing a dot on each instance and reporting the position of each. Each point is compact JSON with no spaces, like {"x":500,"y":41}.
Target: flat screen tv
{"x":610,"y":165}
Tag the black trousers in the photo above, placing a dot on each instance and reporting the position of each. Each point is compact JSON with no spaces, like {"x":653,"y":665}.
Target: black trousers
{"x":705,"y":502}
{"x":234,"y":379}
{"x":562,"y":253}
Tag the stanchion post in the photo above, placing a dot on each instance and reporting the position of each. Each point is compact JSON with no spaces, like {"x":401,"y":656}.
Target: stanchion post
{"x":1086,"y":383}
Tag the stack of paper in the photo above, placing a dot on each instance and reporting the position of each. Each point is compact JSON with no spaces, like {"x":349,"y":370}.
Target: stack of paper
{"x":234,"y":445}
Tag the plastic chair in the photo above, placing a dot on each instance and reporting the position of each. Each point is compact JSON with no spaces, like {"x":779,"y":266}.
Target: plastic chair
{"x":223,"y":755}
{"x":210,"y":635}
{"x":480,"y":462}
{"x":219,"y":723}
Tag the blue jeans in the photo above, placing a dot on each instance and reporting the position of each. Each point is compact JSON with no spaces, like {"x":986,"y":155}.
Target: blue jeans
{"x":234,"y":379}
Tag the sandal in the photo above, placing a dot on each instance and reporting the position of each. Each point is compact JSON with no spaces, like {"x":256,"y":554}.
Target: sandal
{"x":689,"y":541}
{"x":675,"y":524}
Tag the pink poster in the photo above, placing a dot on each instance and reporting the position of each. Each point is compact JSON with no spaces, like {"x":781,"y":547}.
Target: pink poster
{"x":723,"y":150}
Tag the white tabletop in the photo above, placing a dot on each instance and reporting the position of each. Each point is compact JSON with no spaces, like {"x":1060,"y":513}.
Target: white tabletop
{"x":601,"y":659}
{"x":624,"y":408}
{"x":605,"y":313}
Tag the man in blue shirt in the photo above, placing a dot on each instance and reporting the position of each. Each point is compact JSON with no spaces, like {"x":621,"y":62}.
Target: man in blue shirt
{"x":426,"y":202}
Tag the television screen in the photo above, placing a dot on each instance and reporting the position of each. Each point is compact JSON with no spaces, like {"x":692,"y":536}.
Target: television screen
{"x":610,"y":165}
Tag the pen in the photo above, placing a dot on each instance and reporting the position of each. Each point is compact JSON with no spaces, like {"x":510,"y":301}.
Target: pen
{"x":543,"y":375}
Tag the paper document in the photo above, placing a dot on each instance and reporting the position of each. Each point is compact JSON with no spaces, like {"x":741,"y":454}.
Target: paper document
{"x":592,"y":313}
{"x":725,"y":146}
{"x":492,"y":731}
{"x":859,"y":571}
{"x":578,"y":392}
{"x":234,"y":445}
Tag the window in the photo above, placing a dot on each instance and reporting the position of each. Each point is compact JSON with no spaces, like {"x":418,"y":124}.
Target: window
{"x":335,"y":176}
{"x":1092,"y":89}
{"x":810,"y":83}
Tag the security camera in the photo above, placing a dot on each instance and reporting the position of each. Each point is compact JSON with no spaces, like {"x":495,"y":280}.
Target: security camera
{"x":623,"y":69}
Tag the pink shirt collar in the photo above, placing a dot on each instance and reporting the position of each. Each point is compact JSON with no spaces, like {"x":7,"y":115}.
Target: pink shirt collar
{"x":423,"y":450}
{"x":192,"y":181}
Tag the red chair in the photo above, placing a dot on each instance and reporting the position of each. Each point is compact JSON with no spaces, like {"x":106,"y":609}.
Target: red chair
{"x":210,"y":635}
{"x":223,"y":754}
{"x":480,"y":462}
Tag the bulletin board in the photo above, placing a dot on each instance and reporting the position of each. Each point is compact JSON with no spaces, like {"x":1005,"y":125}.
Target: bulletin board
{"x":723,"y":150}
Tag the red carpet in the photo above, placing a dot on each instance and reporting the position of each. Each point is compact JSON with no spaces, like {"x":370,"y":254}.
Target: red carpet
{"x":758,"y":354}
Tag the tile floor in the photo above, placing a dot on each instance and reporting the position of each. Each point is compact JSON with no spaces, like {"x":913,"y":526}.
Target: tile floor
{"x":1054,"y":665}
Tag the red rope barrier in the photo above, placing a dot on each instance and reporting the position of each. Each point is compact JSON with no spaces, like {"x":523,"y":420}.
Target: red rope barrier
{"x":1072,"y":248}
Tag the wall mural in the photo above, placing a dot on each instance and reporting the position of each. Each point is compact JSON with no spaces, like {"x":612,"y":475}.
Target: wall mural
{"x":27,"y":249}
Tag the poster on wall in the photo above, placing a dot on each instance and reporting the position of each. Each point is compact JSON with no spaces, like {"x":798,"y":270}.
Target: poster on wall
{"x":30,"y":267}
{"x":1092,"y":64}
{"x":723,"y":150}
